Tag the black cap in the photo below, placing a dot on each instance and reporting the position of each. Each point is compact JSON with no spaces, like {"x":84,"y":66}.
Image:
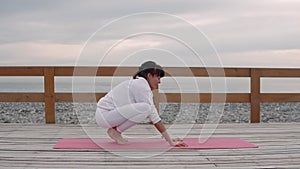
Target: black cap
{"x":150,"y":65}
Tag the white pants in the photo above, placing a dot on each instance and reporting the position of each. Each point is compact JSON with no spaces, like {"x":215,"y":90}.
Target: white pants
{"x":123,"y":117}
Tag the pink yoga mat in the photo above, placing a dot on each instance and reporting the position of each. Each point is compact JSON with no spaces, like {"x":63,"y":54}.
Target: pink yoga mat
{"x":151,"y":143}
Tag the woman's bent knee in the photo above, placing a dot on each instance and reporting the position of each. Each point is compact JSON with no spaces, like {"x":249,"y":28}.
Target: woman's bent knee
{"x":100,"y":120}
{"x":144,"y":108}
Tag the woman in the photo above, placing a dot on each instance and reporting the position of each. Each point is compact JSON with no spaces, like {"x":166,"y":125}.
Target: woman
{"x":131,"y":102}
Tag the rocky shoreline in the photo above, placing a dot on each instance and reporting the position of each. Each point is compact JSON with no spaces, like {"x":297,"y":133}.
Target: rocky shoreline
{"x":83,"y":113}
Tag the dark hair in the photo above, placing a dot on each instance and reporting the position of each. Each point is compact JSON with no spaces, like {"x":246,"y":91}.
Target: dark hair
{"x":149,"y":67}
{"x":152,"y":71}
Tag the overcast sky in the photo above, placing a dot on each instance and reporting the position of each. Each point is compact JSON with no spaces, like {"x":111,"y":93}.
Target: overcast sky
{"x":248,"y":33}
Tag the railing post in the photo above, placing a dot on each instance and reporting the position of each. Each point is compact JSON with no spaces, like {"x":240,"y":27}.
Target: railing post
{"x":49,"y":94}
{"x":255,"y":96}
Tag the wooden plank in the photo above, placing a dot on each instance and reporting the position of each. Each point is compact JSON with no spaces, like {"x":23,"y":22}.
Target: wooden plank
{"x":21,"y":71}
{"x":31,"y":145}
{"x":280,"y":97}
{"x":95,"y":71}
{"x":69,"y":71}
{"x":116,"y":71}
{"x":21,"y":97}
{"x":238,"y":98}
{"x":205,"y":97}
{"x":255,"y":96}
{"x":128,"y":71}
{"x":49,"y":95}
{"x":185,"y":71}
{"x":207,"y":72}
{"x":170,"y":71}
{"x":78,"y":97}
{"x":237,"y":72}
{"x":272,"y":72}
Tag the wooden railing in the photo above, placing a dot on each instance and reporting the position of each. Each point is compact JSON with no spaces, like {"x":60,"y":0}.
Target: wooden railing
{"x":255,"y":97}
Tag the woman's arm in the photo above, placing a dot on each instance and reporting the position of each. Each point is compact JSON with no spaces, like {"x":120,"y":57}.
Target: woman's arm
{"x":162,"y":129}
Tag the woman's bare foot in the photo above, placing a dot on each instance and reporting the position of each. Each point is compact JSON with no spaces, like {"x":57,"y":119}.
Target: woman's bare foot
{"x":115,"y":135}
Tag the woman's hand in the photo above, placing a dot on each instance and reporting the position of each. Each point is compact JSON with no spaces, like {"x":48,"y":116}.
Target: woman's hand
{"x":173,"y":142}
{"x":177,"y":142}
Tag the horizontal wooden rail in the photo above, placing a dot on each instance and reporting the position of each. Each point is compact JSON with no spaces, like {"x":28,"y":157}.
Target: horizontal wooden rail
{"x":279,"y":72}
{"x":124,"y":71}
{"x":255,"y":97}
{"x":280,"y":97}
{"x":21,"y":97}
{"x":21,"y":71}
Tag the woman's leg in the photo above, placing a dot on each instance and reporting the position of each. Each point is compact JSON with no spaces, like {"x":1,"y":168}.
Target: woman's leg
{"x":127,"y":116}
{"x":122,"y":118}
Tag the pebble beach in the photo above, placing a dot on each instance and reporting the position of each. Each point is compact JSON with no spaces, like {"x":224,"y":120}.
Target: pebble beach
{"x":171,"y":113}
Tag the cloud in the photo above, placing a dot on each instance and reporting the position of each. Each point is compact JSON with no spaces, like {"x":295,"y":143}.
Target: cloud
{"x":43,"y":30}
{"x":31,"y":53}
{"x":267,"y":58}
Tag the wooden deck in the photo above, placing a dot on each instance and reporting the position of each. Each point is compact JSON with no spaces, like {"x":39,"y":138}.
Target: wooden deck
{"x":30,"y":146}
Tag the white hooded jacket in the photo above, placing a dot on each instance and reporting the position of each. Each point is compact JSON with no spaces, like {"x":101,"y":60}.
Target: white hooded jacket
{"x":128,"y":92}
